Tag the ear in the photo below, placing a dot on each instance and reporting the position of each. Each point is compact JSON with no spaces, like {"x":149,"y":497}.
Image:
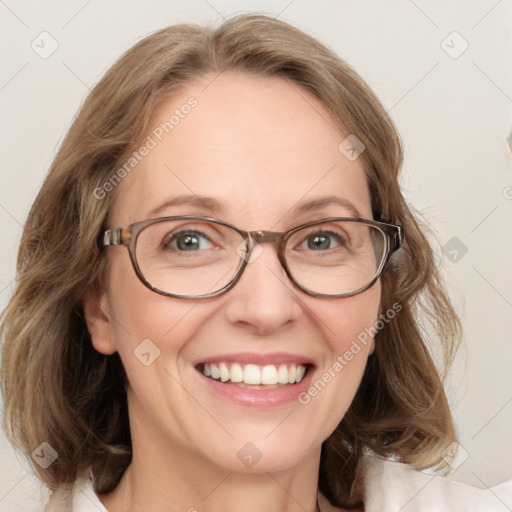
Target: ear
{"x":99,"y":320}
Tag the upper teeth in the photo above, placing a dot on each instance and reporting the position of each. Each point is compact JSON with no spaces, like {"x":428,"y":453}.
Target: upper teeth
{"x":254,"y":374}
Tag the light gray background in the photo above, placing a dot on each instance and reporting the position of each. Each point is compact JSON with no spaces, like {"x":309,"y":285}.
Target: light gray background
{"x":453,"y":112}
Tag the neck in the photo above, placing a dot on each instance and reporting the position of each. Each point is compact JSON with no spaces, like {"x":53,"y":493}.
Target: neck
{"x":164,"y":476}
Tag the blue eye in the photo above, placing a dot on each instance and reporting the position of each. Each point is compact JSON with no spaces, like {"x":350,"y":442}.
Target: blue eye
{"x":323,"y":240}
{"x":187,"y":240}
{"x":317,"y":242}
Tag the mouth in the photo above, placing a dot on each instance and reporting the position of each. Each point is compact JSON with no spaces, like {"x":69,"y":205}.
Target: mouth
{"x":256,"y":380}
{"x":255,"y":376}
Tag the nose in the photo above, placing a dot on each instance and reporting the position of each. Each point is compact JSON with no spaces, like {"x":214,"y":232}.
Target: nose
{"x":264,"y":300}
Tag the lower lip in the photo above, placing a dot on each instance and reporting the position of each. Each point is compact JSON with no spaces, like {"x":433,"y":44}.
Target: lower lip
{"x":260,"y":398}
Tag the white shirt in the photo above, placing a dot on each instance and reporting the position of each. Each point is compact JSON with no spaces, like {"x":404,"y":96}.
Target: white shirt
{"x":390,"y":487}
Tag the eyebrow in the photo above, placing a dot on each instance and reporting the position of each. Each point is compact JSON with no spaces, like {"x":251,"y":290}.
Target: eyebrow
{"x":322,"y":202}
{"x":214,"y":206}
{"x":207,"y":203}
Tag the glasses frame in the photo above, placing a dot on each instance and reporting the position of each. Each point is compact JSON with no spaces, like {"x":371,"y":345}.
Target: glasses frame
{"x":393,"y":237}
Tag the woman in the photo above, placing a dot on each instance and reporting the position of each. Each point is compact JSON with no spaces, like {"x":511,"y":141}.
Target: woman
{"x":255,"y":345}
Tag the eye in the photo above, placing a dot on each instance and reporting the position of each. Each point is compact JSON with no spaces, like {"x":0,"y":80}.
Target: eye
{"x":323,"y":240}
{"x":187,"y":240}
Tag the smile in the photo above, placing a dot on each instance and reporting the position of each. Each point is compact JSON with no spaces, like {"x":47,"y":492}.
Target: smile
{"x":256,"y":380}
{"x":253,"y":374}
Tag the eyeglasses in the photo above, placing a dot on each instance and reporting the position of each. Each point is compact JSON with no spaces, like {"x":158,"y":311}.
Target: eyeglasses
{"x":193,"y":257}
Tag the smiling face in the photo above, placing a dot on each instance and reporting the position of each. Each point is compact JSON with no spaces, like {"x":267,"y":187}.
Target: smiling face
{"x":266,"y":157}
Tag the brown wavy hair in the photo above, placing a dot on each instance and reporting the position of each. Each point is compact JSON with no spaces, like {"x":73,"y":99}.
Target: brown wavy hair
{"x":58,"y":389}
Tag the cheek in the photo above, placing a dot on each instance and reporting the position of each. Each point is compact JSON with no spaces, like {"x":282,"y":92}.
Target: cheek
{"x":347,"y":326}
{"x":349,"y":322}
{"x":146,"y":324}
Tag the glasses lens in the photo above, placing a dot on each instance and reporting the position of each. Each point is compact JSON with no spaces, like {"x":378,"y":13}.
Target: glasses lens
{"x":335,"y":258}
{"x":189,"y":256}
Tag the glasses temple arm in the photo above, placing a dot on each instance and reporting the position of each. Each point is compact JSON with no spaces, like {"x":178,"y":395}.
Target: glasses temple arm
{"x":110,"y":237}
{"x":397,"y":238}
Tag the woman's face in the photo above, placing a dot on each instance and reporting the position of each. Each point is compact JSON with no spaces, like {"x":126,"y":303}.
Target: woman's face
{"x":263,"y":150}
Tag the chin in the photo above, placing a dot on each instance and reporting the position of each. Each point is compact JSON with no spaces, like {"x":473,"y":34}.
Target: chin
{"x":264,"y":453}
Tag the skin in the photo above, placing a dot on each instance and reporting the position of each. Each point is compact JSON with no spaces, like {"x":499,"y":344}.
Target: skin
{"x":259,"y":149}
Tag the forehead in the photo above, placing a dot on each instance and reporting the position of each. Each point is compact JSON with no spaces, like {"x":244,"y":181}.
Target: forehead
{"x":258,"y":146}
